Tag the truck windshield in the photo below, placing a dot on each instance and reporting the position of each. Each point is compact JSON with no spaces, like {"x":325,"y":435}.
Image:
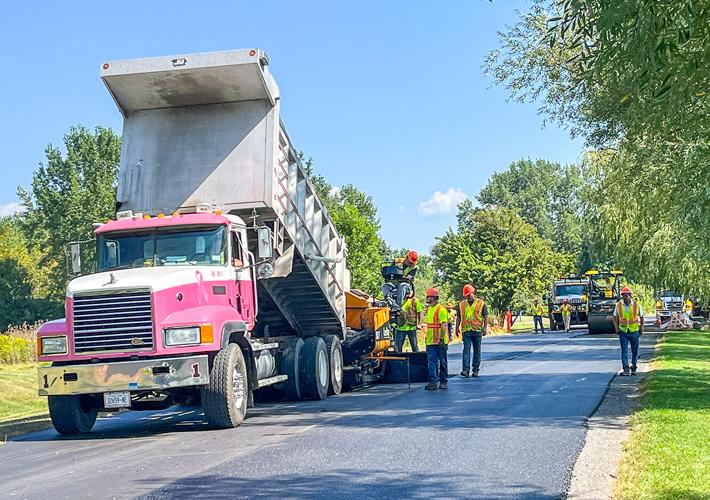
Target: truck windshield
{"x":571,"y":290}
{"x":163,"y":247}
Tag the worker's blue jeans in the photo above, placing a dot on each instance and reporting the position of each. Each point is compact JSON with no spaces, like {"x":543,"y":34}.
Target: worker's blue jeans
{"x":471,"y":340}
{"x":626,"y":339}
{"x":437,"y":363}
{"x":538,"y":319}
{"x":401,"y":335}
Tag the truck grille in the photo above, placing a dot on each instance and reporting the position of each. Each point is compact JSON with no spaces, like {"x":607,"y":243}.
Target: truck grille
{"x":120,"y":321}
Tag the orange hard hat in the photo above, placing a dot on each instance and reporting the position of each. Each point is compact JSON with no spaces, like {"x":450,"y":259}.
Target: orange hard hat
{"x":432,"y":292}
{"x":468,"y":290}
{"x":626,"y":289}
{"x":412,"y":256}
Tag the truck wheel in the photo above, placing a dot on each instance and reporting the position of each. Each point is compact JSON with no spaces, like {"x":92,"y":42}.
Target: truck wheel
{"x":72,"y":415}
{"x":314,"y":369}
{"x":289,"y":365}
{"x":335,"y":359}
{"x":224,"y":400}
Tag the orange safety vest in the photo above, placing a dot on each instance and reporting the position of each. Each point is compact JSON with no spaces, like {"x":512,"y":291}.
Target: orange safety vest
{"x":434,"y":333}
{"x":630,"y":322}
{"x":469,"y":324}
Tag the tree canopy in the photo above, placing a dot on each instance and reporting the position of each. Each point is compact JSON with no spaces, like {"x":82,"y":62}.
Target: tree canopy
{"x":355,"y":216}
{"x":631,"y":77}
{"x":498,"y":251}
{"x":70,"y":192}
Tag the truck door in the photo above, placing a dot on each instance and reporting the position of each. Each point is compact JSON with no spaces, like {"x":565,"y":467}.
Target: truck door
{"x":243,"y":300}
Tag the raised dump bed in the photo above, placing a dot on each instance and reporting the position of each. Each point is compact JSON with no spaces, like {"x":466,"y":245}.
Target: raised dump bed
{"x":205,"y":128}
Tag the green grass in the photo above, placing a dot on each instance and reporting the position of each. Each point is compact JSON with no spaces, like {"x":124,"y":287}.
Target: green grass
{"x":18,"y":392}
{"x":668,"y":453}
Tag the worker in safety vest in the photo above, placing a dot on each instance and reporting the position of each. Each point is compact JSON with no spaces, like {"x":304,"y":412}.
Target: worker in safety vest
{"x":688,"y":308}
{"x":471,"y":322}
{"x":537,"y":311}
{"x":403,"y":283}
{"x":451,"y":311}
{"x":410,"y":317}
{"x":437,"y":341}
{"x":566,"y":310}
{"x":628,"y":324}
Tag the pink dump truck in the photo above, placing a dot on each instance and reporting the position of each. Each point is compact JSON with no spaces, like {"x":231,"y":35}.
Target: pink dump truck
{"x":222,"y":272}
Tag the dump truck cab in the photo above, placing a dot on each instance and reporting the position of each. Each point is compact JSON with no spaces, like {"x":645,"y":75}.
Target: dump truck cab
{"x":575,"y":289}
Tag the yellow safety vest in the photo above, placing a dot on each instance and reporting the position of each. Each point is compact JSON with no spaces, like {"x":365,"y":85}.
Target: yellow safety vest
{"x":536,"y":310}
{"x":566,"y":309}
{"x":409,"y":311}
{"x":435,"y":332}
{"x":628,"y":321}
{"x":471,"y":315}
{"x":689,"y":306}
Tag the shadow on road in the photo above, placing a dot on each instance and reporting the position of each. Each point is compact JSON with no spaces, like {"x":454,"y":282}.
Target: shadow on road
{"x":343,"y":483}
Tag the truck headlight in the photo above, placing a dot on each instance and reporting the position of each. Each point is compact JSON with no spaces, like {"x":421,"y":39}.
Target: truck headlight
{"x":188,"y":335}
{"x":182,"y":336}
{"x":53,"y":345}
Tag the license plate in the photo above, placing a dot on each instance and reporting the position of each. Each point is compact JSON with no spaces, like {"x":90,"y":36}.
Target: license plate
{"x":120,"y":399}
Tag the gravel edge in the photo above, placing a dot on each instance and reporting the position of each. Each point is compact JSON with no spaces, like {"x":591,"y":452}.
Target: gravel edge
{"x":596,"y":467}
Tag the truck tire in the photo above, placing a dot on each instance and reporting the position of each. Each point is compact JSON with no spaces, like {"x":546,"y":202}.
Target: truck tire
{"x":224,"y":399}
{"x":289,"y":365}
{"x":335,"y":362}
{"x":72,"y":415}
{"x":314,"y":369}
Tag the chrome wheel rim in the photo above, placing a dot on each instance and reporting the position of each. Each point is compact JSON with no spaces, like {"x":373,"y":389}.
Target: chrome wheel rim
{"x":323,"y":368}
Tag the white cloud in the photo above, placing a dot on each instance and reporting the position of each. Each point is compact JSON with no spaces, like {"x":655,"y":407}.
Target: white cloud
{"x":442,"y":203}
{"x":10,"y":208}
{"x":334,"y":191}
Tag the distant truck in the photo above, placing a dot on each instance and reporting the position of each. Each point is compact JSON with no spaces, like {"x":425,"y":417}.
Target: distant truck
{"x":575,"y":289}
{"x":668,"y":302}
{"x":222,"y":273}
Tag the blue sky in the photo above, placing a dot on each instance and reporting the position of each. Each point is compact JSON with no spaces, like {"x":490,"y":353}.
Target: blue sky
{"x":389,"y":96}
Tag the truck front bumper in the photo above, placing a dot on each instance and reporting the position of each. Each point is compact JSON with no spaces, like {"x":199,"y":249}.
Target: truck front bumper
{"x":156,"y":374}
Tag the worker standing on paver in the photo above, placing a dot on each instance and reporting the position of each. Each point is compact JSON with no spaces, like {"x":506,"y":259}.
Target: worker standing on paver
{"x":409,"y":319}
{"x":537,"y":311}
{"x":628,"y":324}
{"x":566,"y":310}
{"x":688,"y":308}
{"x":437,"y":341}
{"x":471,"y":322}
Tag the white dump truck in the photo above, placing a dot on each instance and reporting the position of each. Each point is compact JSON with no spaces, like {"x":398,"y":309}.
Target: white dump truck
{"x":222,"y":272}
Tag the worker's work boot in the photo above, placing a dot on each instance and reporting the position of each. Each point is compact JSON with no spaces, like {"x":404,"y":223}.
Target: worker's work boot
{"x":633,"y":370}
{"x":475,"y":373}
{"x":443,"y":385}
{"x":625,"y":373}
{"x":430,"y":387}
{"x":464,"y":373}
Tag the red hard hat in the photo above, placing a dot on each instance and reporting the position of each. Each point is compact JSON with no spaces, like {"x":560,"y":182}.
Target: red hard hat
{"x":412,"y":256}
{"x":468,"y":290}
{"x":626,"y":289}
{"x":432,"y":292}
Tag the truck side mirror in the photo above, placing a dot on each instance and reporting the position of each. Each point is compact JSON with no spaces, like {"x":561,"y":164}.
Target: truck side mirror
{"x":75,"y":257}
{"x":266,"y":244}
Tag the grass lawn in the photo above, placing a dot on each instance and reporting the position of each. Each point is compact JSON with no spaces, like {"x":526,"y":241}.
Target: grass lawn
{"x":668,"y":453}
{"x":18,"y":387}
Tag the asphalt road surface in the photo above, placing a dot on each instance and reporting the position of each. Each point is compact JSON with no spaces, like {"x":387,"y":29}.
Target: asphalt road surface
{"x":515,"y":432}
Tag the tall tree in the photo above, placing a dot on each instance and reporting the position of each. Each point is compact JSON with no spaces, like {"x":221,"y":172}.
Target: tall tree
{"x":500,"y":253}
{"x":546,"y":195}
{"x":24,"y":284}
{"x":355,"y":216}
{"x":631,"y":77}
{"x":70,"y":192}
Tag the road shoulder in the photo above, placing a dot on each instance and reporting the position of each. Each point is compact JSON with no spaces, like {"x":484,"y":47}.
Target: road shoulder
{"x":596,"y":467}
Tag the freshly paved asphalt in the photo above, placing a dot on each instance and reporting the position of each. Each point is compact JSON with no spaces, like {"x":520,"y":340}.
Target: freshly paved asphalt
{"x":512,"y":433}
